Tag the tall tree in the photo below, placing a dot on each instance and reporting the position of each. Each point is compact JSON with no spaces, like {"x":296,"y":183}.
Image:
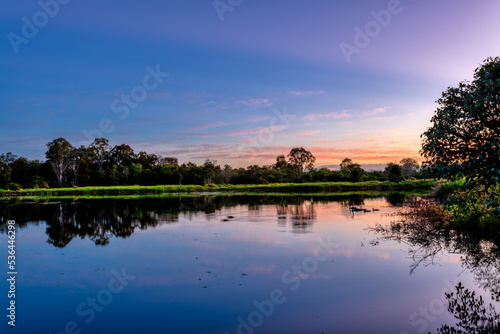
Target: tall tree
{"x":394,"y":172}
{"x":227,"y":174}
{"x":100,"y":152}
{"x":410,"y":167}
{"x":84,"y":166}
{"x":148,"y":161}
{"x":351,"y":171}
{"x":20,"y":173}
{"x":464,"y":138}
{"x":166,"y":161}
{"x":344,"y":167}
{"x":209,"y":169}
{"x":281,"y":165}
{"x":60,"y":155}
{"x":301,"y":160}
{"x":122,"y":155}
{"x":5,"y":168}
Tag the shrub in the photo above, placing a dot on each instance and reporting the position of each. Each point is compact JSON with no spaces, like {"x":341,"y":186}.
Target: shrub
{"x":38,"y":182}
{"x":13,"y":186}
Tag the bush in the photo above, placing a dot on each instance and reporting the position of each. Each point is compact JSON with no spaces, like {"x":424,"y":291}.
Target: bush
{"x":14,"y":186}
{"x":448,"y":188}
{"x":38,"y":182}
{"x":473,"y":209}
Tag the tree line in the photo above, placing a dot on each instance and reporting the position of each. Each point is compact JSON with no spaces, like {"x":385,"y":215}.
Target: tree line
{"x":100,"y":164}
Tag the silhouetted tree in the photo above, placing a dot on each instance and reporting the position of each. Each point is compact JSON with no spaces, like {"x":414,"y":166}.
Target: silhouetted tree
{"x":464,"y":139}
{"x":394,"y":172}
{"x":409,"y":166}
{"x":301,"y":160}
{"x":351,"y":171}
{"x":281,"y":165}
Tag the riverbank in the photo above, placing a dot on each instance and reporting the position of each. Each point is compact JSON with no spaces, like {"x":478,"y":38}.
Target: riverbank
{"x":274,"y":187}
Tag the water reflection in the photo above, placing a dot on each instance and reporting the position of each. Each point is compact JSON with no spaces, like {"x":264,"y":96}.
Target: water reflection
{"x":210,"y":257}
{"x":473,"y":315}
{"x":422,"y":226}
{"x":102,"y":219}
{"x":301,"y":213}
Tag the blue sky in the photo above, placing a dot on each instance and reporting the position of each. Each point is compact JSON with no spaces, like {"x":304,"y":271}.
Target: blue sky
{"x":269,"y":76}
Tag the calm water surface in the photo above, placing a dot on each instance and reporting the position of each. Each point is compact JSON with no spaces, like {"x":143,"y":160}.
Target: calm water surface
{"x":227,"y":264}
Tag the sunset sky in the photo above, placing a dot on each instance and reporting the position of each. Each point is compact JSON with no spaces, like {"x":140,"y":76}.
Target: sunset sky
{"x":247,"y":80}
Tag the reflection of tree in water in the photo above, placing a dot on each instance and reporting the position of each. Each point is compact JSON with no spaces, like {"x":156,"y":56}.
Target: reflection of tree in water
{"x":97,"y":219}
{"x":483,"y":260}
{"x":354,"y":200}
{"x":300,"y":212}
{"x":472,"y":314}
{"x":104,"y":218}
{"x":396,"y":199}
{"x":424,"y":227}
{"x":102,"y":221}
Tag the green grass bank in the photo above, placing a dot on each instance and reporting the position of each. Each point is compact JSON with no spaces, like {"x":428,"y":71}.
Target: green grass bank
{"x":275,"y":187}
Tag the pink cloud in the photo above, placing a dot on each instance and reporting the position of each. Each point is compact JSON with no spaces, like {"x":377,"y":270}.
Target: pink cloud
{"x":302,"y":133}
{"x":375,"y":111}
{"x":382,"y":118}
{"x":209,"y":126}
{"x":243,"y":132}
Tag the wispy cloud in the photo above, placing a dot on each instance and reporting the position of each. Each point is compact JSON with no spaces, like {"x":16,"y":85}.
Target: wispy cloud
{"x":389,"y":118}
{"x":370,"y":154}
{"x":255,"y":119}
{"x":374,"y":111}
{"x":302,"y":133}
{"x":302,"y":93}
{"x":246,"y":132}
{"x":243,"y":151}
{"x":331,"y":115}
{"x":208,"y":126}
{"x":243,"y":132}
{"x":220,"y":103}
{"x":253,"y":102}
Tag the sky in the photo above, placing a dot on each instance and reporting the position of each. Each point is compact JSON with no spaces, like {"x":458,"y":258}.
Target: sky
{"x":237,"y":81}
